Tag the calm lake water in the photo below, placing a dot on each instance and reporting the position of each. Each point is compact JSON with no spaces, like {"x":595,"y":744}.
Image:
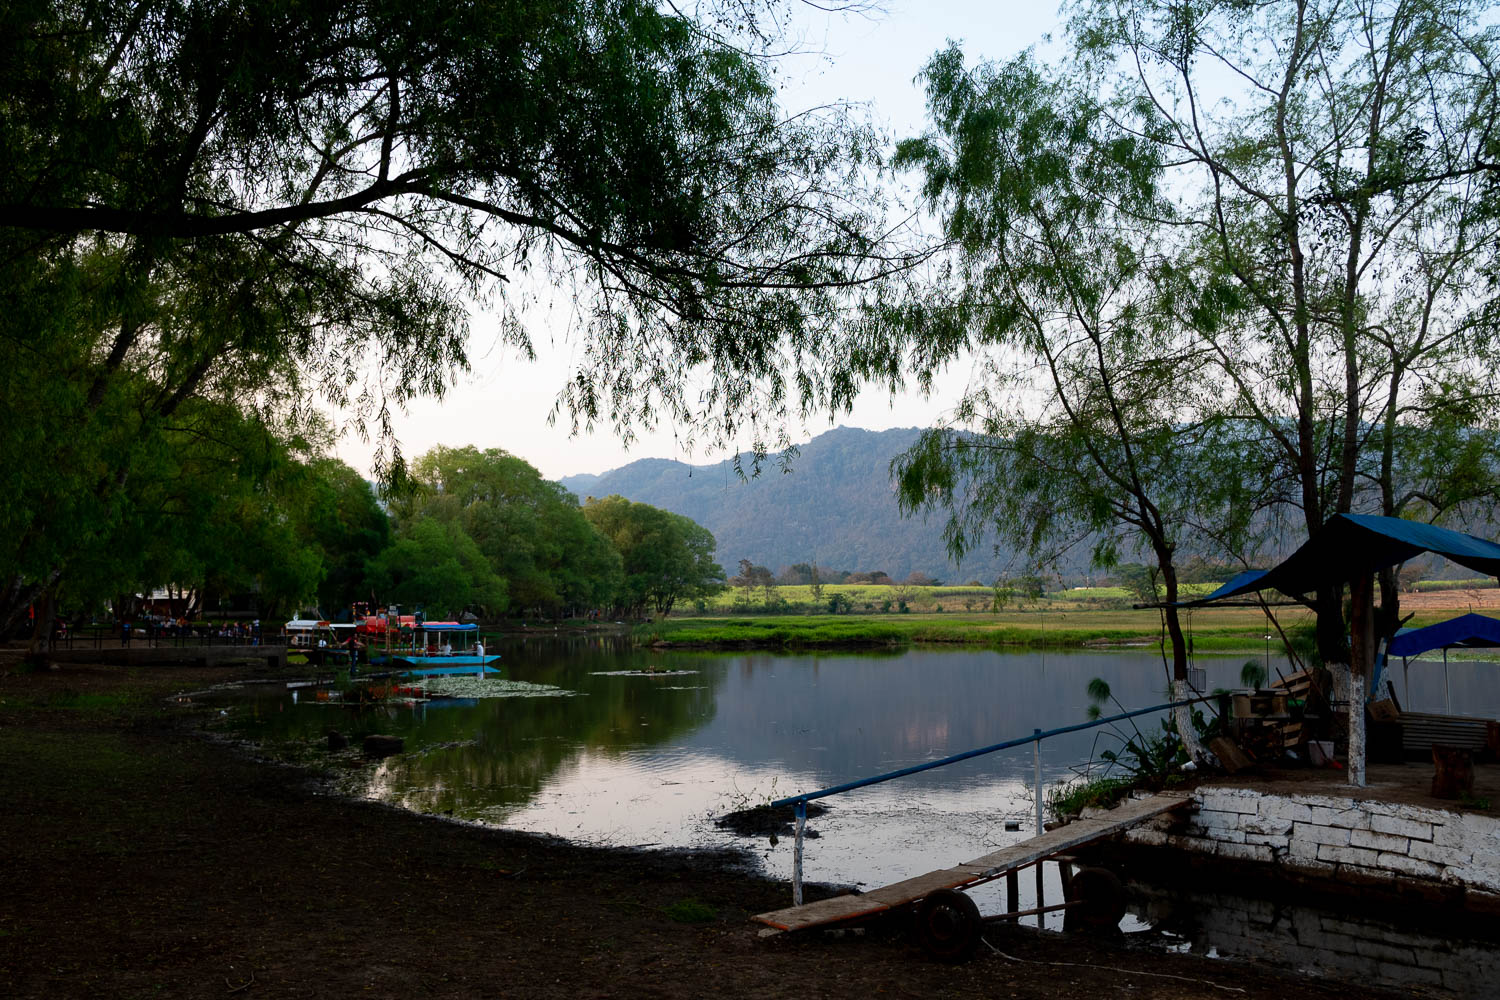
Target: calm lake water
{"x":627,"y":747}
{"x":625,"y":758}
{"x":622,"y":758}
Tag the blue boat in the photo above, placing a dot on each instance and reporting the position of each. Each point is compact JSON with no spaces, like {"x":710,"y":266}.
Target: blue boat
{"x":427,"y":649}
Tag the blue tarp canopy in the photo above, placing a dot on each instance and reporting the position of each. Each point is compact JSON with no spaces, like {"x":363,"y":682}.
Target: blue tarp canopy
{"x":1471,"y":630}
{"x":1352,"y":545}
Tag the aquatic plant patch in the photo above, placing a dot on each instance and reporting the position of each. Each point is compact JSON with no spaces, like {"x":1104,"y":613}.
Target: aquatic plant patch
{"x":490,"y":687}
{"x":641,"y":673}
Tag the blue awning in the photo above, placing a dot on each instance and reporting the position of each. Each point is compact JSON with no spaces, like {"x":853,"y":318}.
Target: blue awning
{"x":1471,"y":630}
{"x":1243,"y":583}
{"x":1353,"y":545}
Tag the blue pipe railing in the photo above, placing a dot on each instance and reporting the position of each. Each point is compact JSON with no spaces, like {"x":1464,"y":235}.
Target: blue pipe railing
{"x":1035,"y":737}
{"x":800,"y":801}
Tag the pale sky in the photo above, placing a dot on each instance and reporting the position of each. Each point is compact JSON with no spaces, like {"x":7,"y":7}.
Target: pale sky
{"x":504,"y":401}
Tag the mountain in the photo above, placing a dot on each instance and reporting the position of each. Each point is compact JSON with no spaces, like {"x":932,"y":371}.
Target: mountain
{"x":834,"y":505}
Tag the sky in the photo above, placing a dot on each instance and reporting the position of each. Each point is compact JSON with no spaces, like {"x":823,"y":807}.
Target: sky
{"x":504,"y":401}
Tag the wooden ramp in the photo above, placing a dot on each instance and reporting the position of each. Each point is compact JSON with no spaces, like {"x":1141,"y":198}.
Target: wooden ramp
{"x":984,"y":869}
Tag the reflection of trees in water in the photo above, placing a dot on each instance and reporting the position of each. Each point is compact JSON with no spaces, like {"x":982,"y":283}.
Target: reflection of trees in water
{"x":501,"y":752}
{"x":834,"y":715}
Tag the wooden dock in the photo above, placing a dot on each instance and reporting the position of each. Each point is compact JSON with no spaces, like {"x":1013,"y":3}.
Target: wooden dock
{"x":983,"y":869}
{"x":144,"y":654}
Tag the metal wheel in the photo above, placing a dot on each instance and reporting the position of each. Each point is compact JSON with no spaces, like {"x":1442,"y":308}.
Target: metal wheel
{"x":948,"y":925}
{"x":1100,"y":896}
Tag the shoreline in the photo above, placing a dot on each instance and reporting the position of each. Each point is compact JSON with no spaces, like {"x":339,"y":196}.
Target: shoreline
{"x":149,"y":861}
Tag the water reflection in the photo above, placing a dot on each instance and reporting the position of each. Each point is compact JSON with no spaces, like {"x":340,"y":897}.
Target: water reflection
{"x":650,"y":759}
{"x":1346,"y":945}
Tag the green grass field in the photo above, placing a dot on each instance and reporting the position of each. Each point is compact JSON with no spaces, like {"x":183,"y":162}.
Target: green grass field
{"x":872,"y":615}
{"x":871,"y":598}
{"x":1056,"y":624}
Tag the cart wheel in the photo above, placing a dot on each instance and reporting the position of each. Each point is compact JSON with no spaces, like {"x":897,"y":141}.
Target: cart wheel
{"x":1100,"y":897}
{"x":949,"y":925}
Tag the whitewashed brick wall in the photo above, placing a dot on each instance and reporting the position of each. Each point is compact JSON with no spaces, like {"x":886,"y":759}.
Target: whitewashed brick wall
{"x":1331,"y":834}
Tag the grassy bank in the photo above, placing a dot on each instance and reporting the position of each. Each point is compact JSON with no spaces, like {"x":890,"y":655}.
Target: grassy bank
{"x":1220,"y":630}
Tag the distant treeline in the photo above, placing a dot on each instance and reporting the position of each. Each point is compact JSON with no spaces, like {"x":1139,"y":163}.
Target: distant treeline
{"x":470,"y":531}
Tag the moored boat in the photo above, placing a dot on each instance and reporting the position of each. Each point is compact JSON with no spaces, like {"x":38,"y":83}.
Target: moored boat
{"x":314,"y":638}
{"x":421,"y":647}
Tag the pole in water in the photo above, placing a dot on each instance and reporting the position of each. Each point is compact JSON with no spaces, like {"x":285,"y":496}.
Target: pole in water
{"x":1036,"y":761}
{"x":797,"y":853}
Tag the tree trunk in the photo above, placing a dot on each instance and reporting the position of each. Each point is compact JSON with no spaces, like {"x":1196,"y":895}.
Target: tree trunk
{"x":1361,"y":663}
{"x":41,"y":625}
{"x":1182,"y":716}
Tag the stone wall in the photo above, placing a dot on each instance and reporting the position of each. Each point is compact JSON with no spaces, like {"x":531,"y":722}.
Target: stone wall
{"x":1348,"y":946}
{"x":1335,"y":835}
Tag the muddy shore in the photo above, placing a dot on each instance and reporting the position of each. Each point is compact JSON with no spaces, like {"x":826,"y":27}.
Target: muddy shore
{"x":145,"y":860}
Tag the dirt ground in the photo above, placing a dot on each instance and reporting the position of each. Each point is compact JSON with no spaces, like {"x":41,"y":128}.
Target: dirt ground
{"x":1432,"y":602}
{"x":143,"y":860}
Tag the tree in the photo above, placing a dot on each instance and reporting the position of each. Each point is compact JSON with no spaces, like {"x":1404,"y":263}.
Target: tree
{"x":257,"y":201}
{"x":667,"y":557}
{"x":1339,"y":208}
{"x":1342,"y":212}
{"x":221,"y":511}
{"x":815,"y":583}
{"x":433,"y":563}
{"x":531,"y":530}
{"x":796,"y":575}
{"x":767,"y":582}
{"x":745,"y":579}
{"x":347,"y":527}
{"x":1046,"y":207}
{"x":1294,"y":229}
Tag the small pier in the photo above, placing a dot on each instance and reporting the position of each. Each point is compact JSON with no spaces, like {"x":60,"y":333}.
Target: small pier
{"x":1004,"y":863}
{"x":144,"y":653}
{"x":947,"y":921}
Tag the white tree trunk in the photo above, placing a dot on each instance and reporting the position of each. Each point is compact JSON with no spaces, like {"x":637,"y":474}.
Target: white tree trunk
{"x":1183,"y":716}
{"x":1350,"y":689}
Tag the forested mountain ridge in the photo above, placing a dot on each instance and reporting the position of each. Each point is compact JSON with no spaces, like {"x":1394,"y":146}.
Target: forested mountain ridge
{"x":835,"y":505}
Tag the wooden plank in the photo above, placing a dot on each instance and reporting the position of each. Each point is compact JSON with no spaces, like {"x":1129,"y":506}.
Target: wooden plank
{"x":824,"y":911}
{"x":1230,"y":755}
{"x":842,"y":908}
{"x":915,"y":888}
{"x":1120,"y":818}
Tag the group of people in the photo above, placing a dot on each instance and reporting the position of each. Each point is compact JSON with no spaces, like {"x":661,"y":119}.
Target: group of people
{"x":154,"y":627}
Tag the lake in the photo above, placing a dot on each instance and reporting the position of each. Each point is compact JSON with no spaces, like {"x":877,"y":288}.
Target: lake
{"x":631,"y":747}
{"x":610,"y":745}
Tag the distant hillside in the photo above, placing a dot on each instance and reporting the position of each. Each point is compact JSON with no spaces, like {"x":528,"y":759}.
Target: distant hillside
{"x":836,"y":507}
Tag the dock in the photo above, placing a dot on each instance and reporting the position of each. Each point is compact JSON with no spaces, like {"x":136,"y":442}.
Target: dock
{"x":147,"y":654}
{"x":1007,"y":860}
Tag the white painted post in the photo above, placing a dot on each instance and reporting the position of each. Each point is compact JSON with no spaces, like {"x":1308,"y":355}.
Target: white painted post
{"x":1353,"y":690}
{"x":797,"y":854}
{"x":1362,"y":650}
{"x":1036,"y":762}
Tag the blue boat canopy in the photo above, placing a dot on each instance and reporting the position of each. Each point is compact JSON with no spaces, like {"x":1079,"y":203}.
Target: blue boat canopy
{"x":1351,"y":545}
{"x":1471,"y":630}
